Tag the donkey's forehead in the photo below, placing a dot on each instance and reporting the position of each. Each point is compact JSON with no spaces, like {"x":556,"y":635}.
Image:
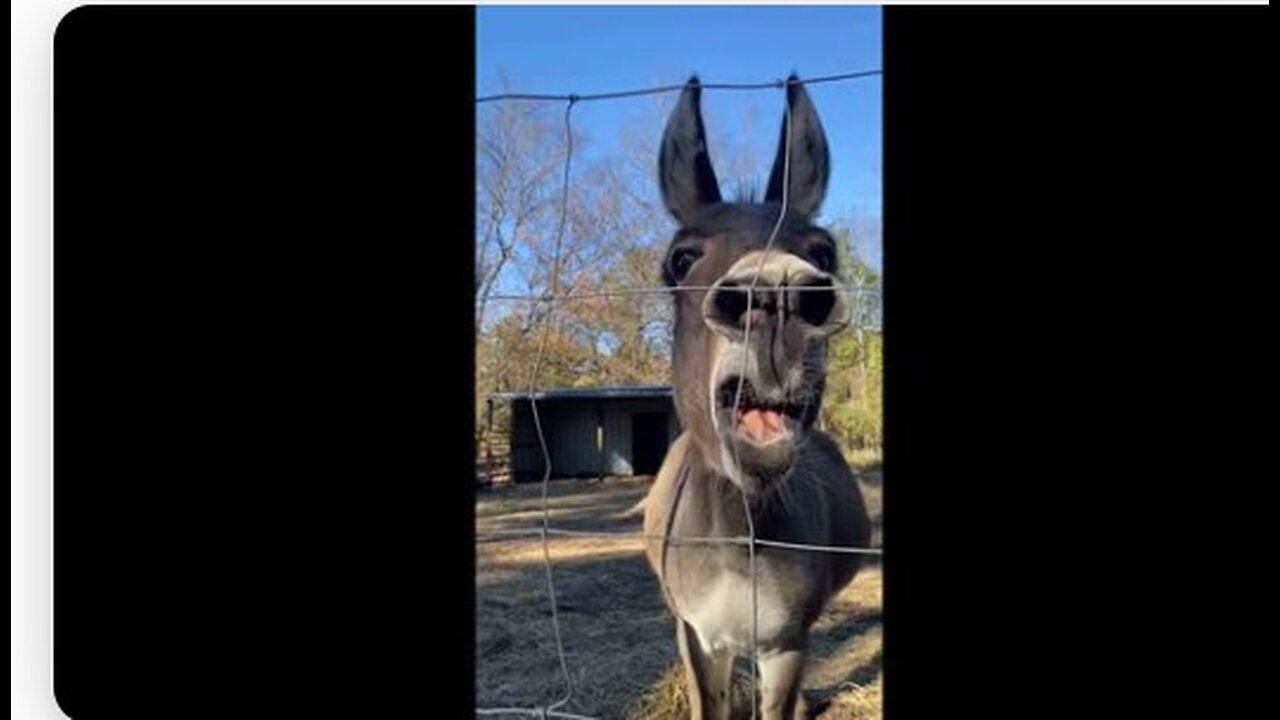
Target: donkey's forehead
{"x":745,"y":221}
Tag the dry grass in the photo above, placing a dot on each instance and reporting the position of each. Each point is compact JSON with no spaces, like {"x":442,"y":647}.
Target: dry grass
{"x":619,"y":639}
{"x":865,"y":459}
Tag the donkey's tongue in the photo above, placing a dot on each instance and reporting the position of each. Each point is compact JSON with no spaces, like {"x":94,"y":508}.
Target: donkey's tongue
{"x":760,"y":424}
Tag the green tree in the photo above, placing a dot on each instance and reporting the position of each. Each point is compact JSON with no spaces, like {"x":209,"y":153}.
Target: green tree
{"x":853,"y":406}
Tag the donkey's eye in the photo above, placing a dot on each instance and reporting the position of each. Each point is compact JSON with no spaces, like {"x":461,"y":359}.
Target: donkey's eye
{"x":682,"y":259}
{"x":823,"y":257}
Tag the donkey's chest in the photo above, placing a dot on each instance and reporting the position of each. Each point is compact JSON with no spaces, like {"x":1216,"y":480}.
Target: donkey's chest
{"x":720,"y":611}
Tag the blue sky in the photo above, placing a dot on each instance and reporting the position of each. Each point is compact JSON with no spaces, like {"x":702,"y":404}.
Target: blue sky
{"x":583,"y":50}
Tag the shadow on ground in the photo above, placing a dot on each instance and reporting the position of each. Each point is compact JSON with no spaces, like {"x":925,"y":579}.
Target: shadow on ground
{"x":617,"y":635}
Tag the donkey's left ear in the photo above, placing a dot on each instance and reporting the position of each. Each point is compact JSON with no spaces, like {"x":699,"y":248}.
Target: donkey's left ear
{"x":685,"y":176}
{"x":809,"y":162}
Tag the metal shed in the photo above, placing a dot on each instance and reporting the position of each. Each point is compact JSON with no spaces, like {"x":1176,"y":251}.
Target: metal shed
{"x":590,"y":431}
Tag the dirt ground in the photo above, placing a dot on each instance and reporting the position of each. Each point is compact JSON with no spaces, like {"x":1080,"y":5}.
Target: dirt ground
{"x":618,"y":638}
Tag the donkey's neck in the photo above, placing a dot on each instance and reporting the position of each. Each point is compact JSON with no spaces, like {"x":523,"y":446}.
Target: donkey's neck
{"x":719,"y":502}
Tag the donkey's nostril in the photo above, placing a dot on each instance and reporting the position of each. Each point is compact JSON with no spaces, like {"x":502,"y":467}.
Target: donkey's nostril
{"x":730,"y":302}
{"x":815,"y":300}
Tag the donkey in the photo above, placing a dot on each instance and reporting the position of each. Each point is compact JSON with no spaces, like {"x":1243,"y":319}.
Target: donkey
{"x":748,"y":380}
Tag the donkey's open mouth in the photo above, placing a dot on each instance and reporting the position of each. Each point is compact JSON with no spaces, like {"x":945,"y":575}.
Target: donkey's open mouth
{"x":757,"y":419}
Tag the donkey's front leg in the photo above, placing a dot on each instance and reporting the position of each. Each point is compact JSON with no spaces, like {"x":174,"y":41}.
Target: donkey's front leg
{"x":780,"y":674}
{"x":708,"y":676}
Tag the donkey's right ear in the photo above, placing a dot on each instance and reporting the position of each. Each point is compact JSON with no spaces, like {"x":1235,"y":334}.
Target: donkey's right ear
{"x":685,"y":175}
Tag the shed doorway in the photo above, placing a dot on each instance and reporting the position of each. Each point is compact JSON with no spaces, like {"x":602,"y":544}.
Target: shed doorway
{"x":648,"y":442}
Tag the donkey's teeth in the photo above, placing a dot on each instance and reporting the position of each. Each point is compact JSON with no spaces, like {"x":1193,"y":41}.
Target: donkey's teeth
{"x":760,"y":424}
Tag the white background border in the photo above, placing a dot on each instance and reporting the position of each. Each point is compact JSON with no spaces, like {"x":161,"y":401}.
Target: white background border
{"x":31,"y":30}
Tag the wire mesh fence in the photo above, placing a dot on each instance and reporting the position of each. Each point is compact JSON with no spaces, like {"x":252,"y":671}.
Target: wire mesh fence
{"x":864,"y":304}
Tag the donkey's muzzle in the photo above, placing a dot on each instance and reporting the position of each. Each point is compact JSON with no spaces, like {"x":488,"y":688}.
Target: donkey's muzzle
{"x":793,"y":295}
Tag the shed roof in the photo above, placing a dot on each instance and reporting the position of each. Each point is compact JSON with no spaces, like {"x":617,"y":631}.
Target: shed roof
{"x":609,"y":392}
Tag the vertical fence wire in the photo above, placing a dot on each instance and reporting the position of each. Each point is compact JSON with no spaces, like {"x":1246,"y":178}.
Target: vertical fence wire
{"x":554,"y":282}
{"x":737,"y":404}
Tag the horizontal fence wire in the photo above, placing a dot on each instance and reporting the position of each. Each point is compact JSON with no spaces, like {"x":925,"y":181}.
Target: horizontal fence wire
{"x":505,"y":533}
{"x":546,"y":530}
{"x":864,"y":311}
{"x":659,"y":89}
{"x":871,"y":292}
{"x":532,"y":712}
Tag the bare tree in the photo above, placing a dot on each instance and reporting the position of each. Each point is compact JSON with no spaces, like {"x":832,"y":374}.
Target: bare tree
{"x":615,"y":230}
{"x":517,"y":193}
